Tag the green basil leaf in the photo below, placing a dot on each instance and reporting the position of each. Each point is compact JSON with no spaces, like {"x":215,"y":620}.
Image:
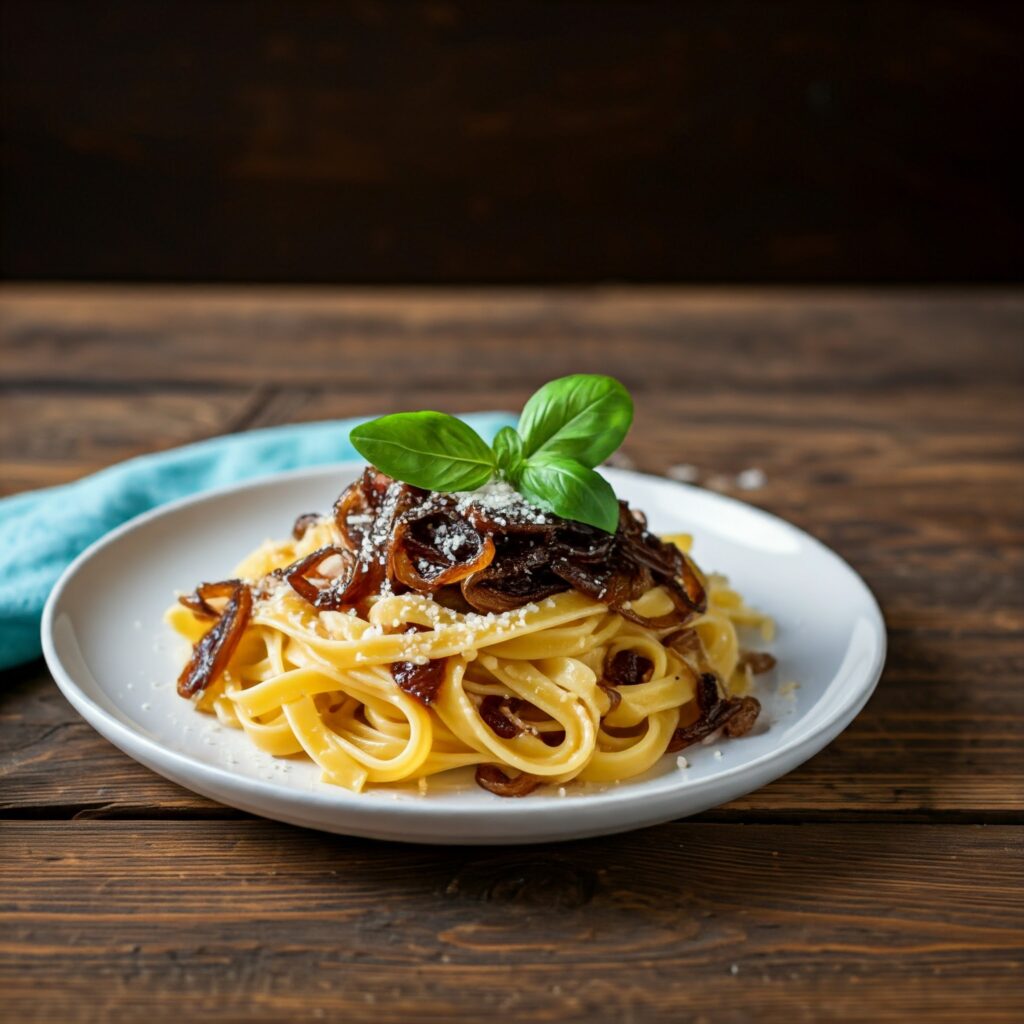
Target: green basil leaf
{"x":583,"y":417}
{"x":426,"y":449}
{"x":508,"y":451}
{"x":571,"y":490}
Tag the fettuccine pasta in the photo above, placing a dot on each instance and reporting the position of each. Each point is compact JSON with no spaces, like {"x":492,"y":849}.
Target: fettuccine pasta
{"x":334,"y":656}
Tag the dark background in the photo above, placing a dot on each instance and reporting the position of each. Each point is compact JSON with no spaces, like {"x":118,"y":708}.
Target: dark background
{"x":511,"y":142}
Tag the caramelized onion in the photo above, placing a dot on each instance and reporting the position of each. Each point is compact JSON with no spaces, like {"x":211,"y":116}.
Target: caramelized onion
{"x":716,"y":712}
{"x":518,"y":574}
{"x":668,"y":565}
{"x":500,"y":558}
{"x":357,"y":508}
{"x":627,"y":668}
{"x":212,"y":653}
{"x":357,"y":580}
{"x":427,"y":552}
{"x":682,"y":641}
{"x":494,"y":591}
{"x":757,"y":661}
{"x":494,"y":780}
{"x":197,"y":601}
{"x":303,"y":523}
{"x":494,"y":711}
{"x":616,"y":585}
{"x":451,"y":598}
{"x":744,"y":718}
{"x":423,"y":682}
{"x":693,"y":589}
{"x":509,"y":717}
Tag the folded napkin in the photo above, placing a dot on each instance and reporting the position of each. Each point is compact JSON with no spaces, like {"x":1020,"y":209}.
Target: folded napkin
{"x":41,"y":532}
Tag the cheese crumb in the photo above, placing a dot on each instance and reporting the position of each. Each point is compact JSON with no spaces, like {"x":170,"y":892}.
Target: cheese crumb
{"x":684,"y":472}
{"x":751,"y":479}
{"x":499,"y":496}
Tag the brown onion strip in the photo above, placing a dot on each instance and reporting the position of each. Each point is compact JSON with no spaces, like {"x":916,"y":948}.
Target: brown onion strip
{"x":297,"y":572}
{"x":490,"y":591}
{"x":494,"y":780}
{"x":627,"y":668}
{"x":210,"y":656}
{"x":716,"y":712}
{"x":493,"y":710}
{"x":402,"y":566}
{"x":303,"y":523}
{"x":197,"y":601}
{"x":360,"y":499}
{"x":421,"y":682}
{"x":757,"y":661}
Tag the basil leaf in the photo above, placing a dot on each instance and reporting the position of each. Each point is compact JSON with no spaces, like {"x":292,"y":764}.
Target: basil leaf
{"x":508,"y":451}
{"x":427,"y":449}
{"x":571,"y":490}
{"x":583,"y":417}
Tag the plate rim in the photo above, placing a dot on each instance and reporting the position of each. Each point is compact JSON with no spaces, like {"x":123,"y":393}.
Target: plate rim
{"x":786,"y":757}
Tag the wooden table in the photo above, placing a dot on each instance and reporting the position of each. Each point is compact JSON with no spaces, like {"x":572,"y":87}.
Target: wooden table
{"x":882,"y":880}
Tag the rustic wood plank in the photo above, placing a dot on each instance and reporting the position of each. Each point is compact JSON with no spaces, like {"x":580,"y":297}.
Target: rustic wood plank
{"x":845,"y":341}
{"x":48,"y":437}
{"x":250,"y":920}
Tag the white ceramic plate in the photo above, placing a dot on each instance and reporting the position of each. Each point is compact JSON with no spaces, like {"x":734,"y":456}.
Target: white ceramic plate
{"x":116,"y":662}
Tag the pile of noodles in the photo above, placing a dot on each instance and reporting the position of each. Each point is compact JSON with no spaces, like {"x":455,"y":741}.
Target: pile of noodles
{"x":472,"y":556}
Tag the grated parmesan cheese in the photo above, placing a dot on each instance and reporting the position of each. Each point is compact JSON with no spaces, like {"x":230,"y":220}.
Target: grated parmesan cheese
{"x":500,"y":496}
{"x":751,"y":479}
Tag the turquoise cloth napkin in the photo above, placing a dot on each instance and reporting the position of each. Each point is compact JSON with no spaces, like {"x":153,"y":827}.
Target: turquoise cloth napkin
{"x":41,"y":532}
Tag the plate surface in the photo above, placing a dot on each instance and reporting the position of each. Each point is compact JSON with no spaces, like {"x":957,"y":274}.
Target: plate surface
{"x":116,"y":661}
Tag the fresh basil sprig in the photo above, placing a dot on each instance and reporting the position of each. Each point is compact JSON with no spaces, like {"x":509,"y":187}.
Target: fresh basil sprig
{"x":426,"y":449}
{"x":571,"y":490}
{"x":583,"y":417}
{"x":508,"y":452}
{"x":566,"y":428}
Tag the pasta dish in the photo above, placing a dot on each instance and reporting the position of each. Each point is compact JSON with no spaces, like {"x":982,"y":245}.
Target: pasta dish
{"x":412,"y":631}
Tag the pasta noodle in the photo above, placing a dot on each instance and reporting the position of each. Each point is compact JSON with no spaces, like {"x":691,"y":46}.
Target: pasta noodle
{"x":561,"y":688}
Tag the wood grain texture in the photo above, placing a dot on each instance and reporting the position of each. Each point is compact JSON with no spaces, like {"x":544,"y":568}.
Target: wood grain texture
{"x":545,"y":140}
{"x":852,"y":342}
{"x":682,"y":922}
{"x":42,"y":440}
{"x":889,"y":425}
